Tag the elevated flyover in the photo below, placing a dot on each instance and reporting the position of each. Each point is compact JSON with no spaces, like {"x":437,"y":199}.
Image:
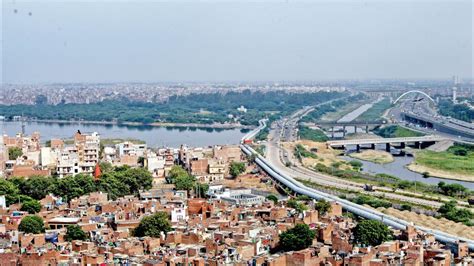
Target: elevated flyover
{"x":417,"y":141}
{"x":441,"y":124}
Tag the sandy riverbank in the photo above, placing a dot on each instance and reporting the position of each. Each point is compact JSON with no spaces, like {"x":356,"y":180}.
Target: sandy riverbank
{"x":439,"y":173}
{"x":375,"y":156}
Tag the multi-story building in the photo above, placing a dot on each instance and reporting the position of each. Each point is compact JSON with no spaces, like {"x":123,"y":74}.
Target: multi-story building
{"x":82,"y":157}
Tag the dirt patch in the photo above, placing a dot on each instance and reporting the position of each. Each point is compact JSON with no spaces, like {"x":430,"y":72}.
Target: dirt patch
{"x":255,"y":181}
{"x":442,"y":224}
{"x":325,"y":155}
{"x":375,"y":156}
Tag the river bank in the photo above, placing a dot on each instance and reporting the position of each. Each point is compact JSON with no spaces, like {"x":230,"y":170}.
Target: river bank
{"x":154,"y":124}
{"x":375,"y":156}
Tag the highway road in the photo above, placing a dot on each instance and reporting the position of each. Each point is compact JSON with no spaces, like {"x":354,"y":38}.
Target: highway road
{"x":278,"y":156}
{"x":368,"y":213}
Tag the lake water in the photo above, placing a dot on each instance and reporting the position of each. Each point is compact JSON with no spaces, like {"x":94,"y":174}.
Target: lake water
{"x":398,"y":168}
{"x":153,"y":136}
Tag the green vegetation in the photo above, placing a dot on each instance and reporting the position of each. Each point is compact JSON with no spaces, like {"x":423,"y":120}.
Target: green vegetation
{"x":452,"y":190}
{"x":372,"y":201}
{"x":236,"y":168}
{"x":14,"y":152}
{"x":184,"y":181}
{"x":263,"y":134}
{"x":296,"y":238}
{"x":371,"y":233}
{"x":272,"y":198}
{"x":356,"y":165}
{"x":295,"y":204}
{"x":117,"y":182}
{"x":75,"y":232}
{"x":32,"y":206}
{"x":301,"y":152}
{"x":458,"y":159}
{"x":201,"y":108}
{"x":31,"y":224}
{"x":394,"y":131}
{"x":458,"y":111}
{"x":322,"y":207}
{"x":153,"y":225}
{"x":323,"y":109}
{"x":450,"y":212}
{"x":305,"y":132}
{"x":375,"y":112}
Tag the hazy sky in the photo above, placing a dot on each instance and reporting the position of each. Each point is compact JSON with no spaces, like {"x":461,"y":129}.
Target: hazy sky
{"x":111,"y":41}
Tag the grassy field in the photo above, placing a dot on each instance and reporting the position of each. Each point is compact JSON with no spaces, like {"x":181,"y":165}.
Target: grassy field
{"x":446,"y":161}
{"x":396,"y":132}
{"x":375,"y":112}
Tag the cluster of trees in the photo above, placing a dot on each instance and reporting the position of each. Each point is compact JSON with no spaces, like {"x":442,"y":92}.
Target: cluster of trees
{"x":236,"y":168}
{"x":366,"y":232}
{"x":458,"y":111}
{"x":117,"y":182}
{"x":461,"y":149}
{"x":453,"y":189}
{"x":33,"y":224}
{"x":184,"y":181}
{"x":461,"y":215}
{"x":311,"y":134}
{"x":178,"y":109}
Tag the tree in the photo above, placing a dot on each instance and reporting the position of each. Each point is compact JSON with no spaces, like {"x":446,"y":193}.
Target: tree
{"x":14,"y":152}
{"x":31,"y":224}
{"x":298,"y":206}
{"x":371,"y":232}
{"x":322,"y":207}
{"x":297,"y":238}
{"x":36,"y":187}
{"x":236,"y":169}
{"x":201,"y":189}
{"x":10,"y":191}
{"x":185,"y":182}
{"x":75,"y":232}
{"x":175,"y":172}
{"x":452,"y":189}
{"x":425,"y":174}
{"x":31,"y":206}
{"x":72,"y":187}
{"x":272,"y":198}
{"x":153,"y":225}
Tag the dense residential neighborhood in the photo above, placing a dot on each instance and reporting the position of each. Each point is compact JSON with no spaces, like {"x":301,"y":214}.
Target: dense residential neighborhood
{"x":179,"y":206}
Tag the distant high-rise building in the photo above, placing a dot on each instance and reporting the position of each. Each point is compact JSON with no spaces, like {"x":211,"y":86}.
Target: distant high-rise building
{"x":456,"y":82}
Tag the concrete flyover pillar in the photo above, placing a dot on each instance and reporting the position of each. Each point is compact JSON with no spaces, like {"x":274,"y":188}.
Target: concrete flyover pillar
{"x":402,"y":145}
{"x":417,"y":145}
{"x":332,"y":132}
{"x":387,"y":147}
{"x":366,"y":129}
{"x":355,"y":128}
{"x":343,"y":131}
{"x":372,"y":146}
{"x":358,"y":148}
